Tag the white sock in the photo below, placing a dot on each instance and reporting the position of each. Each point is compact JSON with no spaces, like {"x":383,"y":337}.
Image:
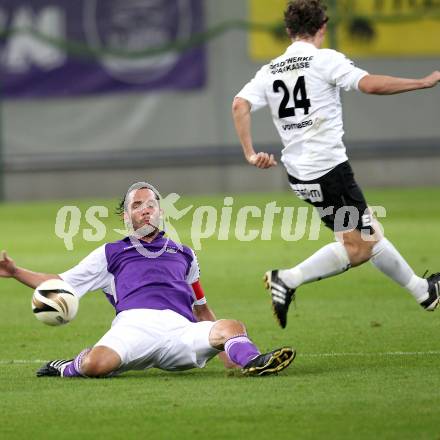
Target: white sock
{"x":330,"y":260}
{"x":388,"y":260}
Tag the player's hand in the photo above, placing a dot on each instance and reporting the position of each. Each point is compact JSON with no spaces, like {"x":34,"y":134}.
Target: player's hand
{"x":432,"y":80}
{"x":262,"y":160}
{"x":226,"y":361}
{"x":7,"y":266}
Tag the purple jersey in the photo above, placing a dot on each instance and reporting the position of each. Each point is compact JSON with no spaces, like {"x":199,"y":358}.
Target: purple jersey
{"x":132,"y":280}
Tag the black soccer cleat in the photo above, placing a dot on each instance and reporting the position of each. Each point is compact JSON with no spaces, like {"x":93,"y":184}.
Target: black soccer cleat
{"x":53,"y":368}
{"x":270,"y":363}
{"x":282,"y":296}
{"x":431,"y":303}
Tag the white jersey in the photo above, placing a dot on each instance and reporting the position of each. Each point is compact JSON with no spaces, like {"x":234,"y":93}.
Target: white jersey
{"x":302,"y":89}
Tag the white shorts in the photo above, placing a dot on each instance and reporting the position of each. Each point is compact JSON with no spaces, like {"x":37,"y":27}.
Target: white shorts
{"x":145,"y":338}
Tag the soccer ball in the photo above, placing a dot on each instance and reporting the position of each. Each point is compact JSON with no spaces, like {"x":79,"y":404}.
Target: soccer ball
{"x":54,"y":302}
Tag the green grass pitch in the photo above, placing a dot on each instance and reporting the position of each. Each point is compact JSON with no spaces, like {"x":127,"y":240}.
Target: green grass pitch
{"x":368,"y":355}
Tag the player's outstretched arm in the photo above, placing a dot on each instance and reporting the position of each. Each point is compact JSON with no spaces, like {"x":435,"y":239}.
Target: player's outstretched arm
{"x":390,"y":85}
{"x":8,"y":269}
{"x":241,"y":114}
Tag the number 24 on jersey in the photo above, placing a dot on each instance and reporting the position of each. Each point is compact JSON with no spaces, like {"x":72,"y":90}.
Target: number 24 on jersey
{"x":299,"y":97}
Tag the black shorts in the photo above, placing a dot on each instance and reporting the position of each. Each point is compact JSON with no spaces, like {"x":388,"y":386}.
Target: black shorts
{"x":338,"y":198}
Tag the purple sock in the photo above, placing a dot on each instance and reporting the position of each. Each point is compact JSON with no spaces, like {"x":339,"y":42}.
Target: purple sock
{"x":74,"y":368}
{"x":241,"y":350}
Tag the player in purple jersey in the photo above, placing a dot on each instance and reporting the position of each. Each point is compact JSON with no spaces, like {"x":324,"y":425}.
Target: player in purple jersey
{"x":301,"y":87}
{"x":162,"y":317}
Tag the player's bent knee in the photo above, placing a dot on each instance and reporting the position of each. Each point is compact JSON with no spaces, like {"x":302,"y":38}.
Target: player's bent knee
{"x":225,"y":329}
{"x":357,"y":257}
{"x":230,"y":327}
{"x":100,"y":362}
{"x":234,"y":327}
{"x":359,"y":253}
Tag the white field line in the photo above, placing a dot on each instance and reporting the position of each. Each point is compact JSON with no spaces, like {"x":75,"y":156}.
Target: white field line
{"x":307,"y":355}
{"x":21,"y":361}
{"x":373,"y":354}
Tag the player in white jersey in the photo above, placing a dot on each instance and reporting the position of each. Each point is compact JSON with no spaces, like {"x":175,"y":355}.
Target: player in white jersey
{"x":301,"y":87}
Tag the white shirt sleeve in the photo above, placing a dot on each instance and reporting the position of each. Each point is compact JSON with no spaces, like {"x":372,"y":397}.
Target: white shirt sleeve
{"x":194,"y":270}
{"x":340,"y":71}
{"x":193,"y":276}
{"x":255,"y":90}
{"x":90,"y":274}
